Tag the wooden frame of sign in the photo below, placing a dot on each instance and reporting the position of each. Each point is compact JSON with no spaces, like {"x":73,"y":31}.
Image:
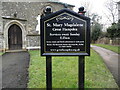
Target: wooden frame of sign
{"x":65,"y":33}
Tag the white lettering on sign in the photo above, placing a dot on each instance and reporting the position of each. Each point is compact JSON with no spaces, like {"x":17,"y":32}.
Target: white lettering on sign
{"x":48,"y":25}
{"x":69,"y":29}
{"x":65,"y":33}
{"x":74,"y":34}
{"x":57,"y":25}
{"x":56,"y":29}
{"x":64,"y":18}
{"x":73,"y":25}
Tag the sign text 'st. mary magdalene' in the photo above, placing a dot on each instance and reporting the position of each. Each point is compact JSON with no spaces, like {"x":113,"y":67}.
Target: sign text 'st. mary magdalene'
{"x":65,"y":33}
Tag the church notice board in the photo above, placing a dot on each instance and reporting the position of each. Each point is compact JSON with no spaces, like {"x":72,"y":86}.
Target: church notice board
{"x":65,"y":33}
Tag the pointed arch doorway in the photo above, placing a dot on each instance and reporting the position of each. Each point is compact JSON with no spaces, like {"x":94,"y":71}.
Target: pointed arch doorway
{"x":14,"y":37}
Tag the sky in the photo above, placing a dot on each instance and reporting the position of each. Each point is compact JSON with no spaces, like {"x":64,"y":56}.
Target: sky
{"x":96,"y":6}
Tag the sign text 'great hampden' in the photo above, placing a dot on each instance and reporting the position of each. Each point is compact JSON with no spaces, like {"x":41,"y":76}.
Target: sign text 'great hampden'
{"x":65,"y":33}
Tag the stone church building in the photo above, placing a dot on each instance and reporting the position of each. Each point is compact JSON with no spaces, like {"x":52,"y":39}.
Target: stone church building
{"x":18,"y":22}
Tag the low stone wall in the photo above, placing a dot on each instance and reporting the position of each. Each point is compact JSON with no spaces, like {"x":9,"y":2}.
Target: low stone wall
{"x":115,"y":41}
{"x":33,"y":40}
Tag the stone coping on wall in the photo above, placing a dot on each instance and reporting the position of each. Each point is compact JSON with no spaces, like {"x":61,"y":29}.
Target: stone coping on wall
{"x":12,"y":18}
{"x":33,"y":48}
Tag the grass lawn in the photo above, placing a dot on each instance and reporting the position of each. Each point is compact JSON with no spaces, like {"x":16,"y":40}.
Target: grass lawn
{"x":110,"y":47}
{"x":65,"y":72}
{"x":1,"y":53}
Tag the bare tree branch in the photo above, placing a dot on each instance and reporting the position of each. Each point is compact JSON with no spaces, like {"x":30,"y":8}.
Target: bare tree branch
{"x":112,"y":9}
{"x":108,"y":17}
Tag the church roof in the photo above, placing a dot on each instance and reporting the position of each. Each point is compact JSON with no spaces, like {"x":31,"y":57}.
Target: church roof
{"x":54,"y":1}
{"x":62,"y":3}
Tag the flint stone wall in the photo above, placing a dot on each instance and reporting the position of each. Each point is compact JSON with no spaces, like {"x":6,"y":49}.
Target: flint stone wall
{"x":26,"y":13}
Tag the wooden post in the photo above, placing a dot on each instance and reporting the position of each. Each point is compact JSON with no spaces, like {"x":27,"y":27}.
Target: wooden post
{"x":49,"y":72}
{"x":81,"y":66}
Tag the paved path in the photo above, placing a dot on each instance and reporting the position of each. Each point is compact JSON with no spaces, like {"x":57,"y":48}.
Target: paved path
{"x":112,"y":61}
{"x":15,"y":70}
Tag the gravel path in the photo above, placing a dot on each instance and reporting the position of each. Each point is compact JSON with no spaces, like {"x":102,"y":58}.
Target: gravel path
{"x":112,"y":61}
{"x":15,"y":70}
